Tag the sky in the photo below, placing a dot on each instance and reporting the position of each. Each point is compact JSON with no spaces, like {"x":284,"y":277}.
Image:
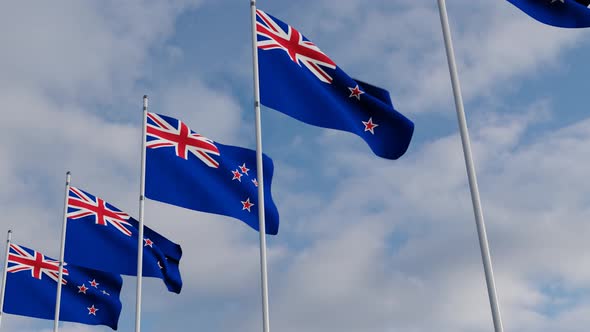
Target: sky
{"x":365,"y":244}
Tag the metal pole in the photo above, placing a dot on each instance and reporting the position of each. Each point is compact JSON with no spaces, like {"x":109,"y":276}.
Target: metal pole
{"x":475,"y":199}
{"x":4,"y":275}
{"x":61,"y":253}
{"x":259,"y":175}
{"x":140,"y":230}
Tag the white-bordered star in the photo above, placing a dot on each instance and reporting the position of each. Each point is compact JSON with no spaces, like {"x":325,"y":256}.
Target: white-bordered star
{"x":246,"y":205}
{"x":244,"y":169}
{"x":92,"y":310}
{"x":148,"y":243}
{"x":82,"y":289}
{"x":255,"y":182}
{"x":237,"y":175}
{"x":355,"y":92}
{"x":370,"y":126}
{"x":93,"y":283}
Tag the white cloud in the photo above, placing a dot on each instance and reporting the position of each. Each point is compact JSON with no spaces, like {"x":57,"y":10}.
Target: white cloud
{"x":415,"y":265}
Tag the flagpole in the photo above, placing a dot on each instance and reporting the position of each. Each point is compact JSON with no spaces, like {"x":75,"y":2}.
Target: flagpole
{"x":61,"y":253}
{"x":475,"y":199}
{"x":259,"y":175}
{"x":140,"y":230}
{"x":4,"y":276}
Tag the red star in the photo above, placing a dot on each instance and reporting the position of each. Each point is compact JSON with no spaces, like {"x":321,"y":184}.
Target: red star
{"x":255,"y":182}
{"x":82,"y":289}
{"x":244,"y":169}
{"x":370,"y":126}
{"x":246,"y":205}
{"x":94,"y":284}
{"x":355,"y":92}
{"x":148,"y":243}
{"x":92,"y":310}
{"x":237,"y":175}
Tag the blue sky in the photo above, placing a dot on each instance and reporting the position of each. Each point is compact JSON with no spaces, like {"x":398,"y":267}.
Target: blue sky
{"x":365,"y":243}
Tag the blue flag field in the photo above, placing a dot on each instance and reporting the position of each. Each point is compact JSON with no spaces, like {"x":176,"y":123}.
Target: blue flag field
{"x":100,"y":236}
{"x":559,"y":13}
{"x":191,"y":171}
{"x":88,"y":296}
{"x":298,"y":79}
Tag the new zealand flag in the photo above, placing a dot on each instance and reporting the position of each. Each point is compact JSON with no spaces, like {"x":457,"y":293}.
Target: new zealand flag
{"x":191,"y":171}
{"x":298,"y":79}
{"x":100,"y":236}
{"x":559,"y":13}
{"x":88,"y":296}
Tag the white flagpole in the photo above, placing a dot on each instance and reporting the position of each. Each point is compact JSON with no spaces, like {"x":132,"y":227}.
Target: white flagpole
{"x":61,"y":254}
{"x":475,"y":199}
{"x":4,"y":276}
{"x":140,"y":230}
{"x":259,"y":175}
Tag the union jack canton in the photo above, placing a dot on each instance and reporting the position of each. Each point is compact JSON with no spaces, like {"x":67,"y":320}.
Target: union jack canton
{"x":174,"y":133}
{"x":299,"y":49}
{"x":82,"y":204}
{"x":19,"y":259}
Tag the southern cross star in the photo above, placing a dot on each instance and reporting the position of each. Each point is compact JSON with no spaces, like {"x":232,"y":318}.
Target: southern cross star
{"x":148,"y":243}
{"x":92,"y":310}
{"x":82,"y":289}
{"x":237,"y":175}
{"x":244,"y":169}
{"x":370,"y":126}
{"x":246,"y":205}
{"x":355,"y":92}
